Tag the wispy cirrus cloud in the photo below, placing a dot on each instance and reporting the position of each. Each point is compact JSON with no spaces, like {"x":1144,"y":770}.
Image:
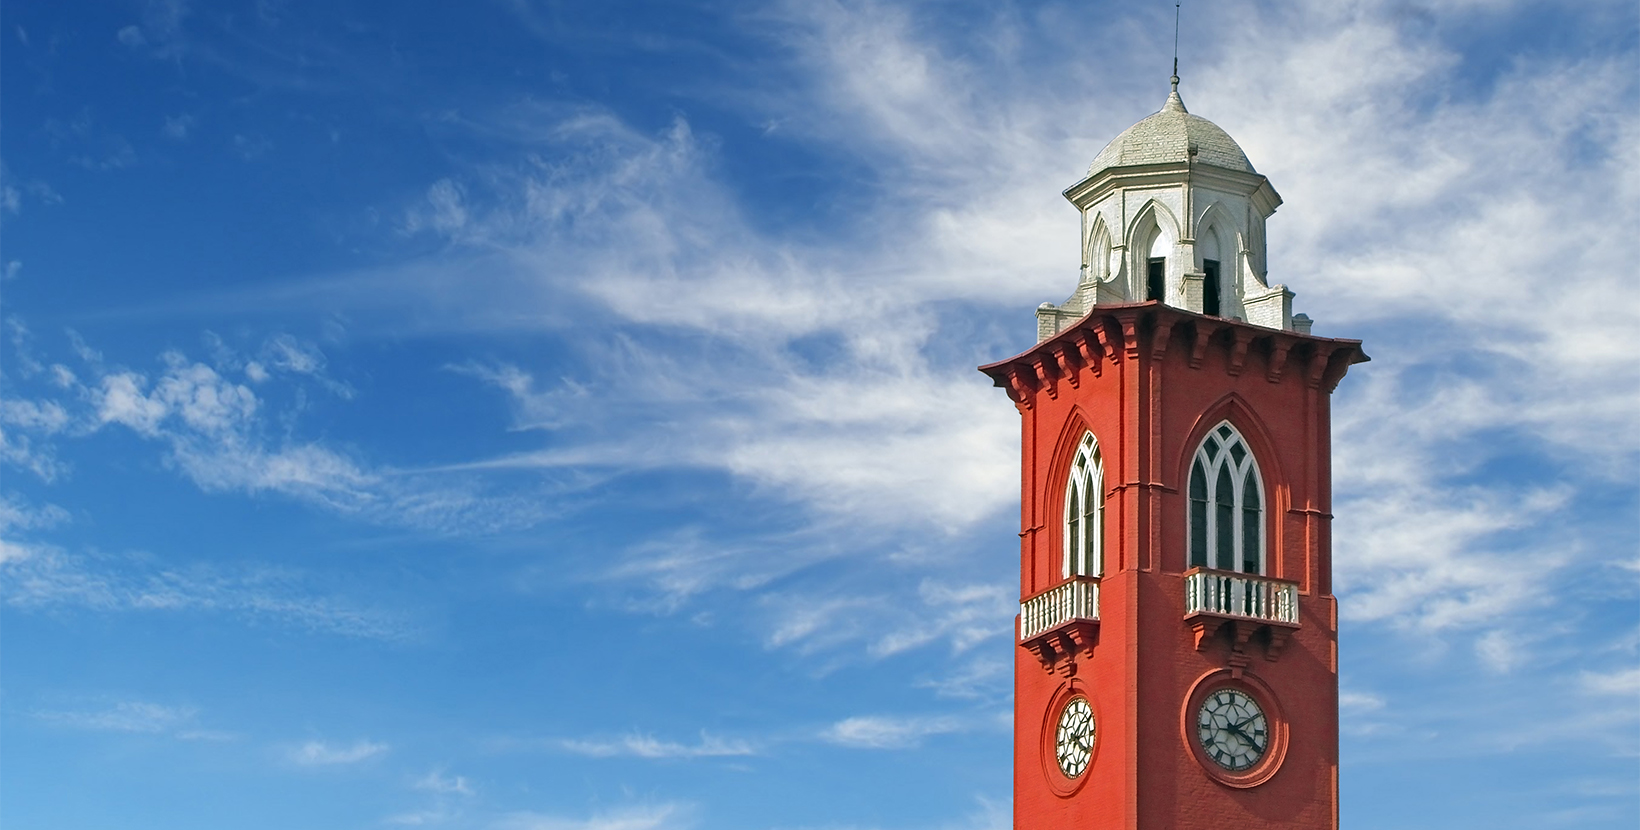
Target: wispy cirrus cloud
{"x":889,"y":732}
{"x":40,"y":576}
{"x":830,"y":366}
{"x":326,"y":754}
{"x":826,"y":371}
{"x":645,"y":746}
{"x":228,"y":437}
{"x":662,"y":816}
{"x":441,"y":783}
{"x":1617,"y":682}
{"x":123,"y":716}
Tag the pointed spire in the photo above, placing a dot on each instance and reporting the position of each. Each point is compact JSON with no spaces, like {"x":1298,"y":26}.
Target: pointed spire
{"x":1174,"y":102}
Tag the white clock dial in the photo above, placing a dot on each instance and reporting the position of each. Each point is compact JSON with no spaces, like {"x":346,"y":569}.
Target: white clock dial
{"x":1232,"y":729}
{"x":1073,"y":743}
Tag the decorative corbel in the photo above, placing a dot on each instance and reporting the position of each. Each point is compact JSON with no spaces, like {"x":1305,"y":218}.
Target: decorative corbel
{"x":1238,"y":353}
{"x":1239,"y":658}
{"x":1044,"y":651}
{"x":1114,"y":352}
{"x":1047,"y":371}
{"x":1021,"y":386}
{"x":1088,"y":347}
{"x":1204,"y":333}
{"x":1160,"y":338}
{"x":1278,"y":640}
{"x":1065,"y":350}
{"x":1337,"y":364}
{"x":1203,"y":629}
{"x":1278,"y":359}
{"x":1317,"y":367}
{"x":1130,"y":336}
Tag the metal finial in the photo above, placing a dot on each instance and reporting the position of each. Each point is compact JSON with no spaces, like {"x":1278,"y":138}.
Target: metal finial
{"x":1176,"y":47}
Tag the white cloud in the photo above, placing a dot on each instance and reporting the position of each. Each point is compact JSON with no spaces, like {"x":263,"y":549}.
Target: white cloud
{"x":132,"y":36}
{"x":18,"y":514}
{"x":177,"y":127}
{"x":964,"y":614}
{"x":419,"y":818}
{"x":665,"y":816}
{"x":835,"y":370}
{"x":887,"y":732}
{"x":40,"y":576}
{"x":285,"y":352}
{"x":1444,"y":220}
{"x":46,"y":417}
{"x":125,"y":716}
{"x":320,"y":753}
{"x":122,"y":402}
{"x":219,"y":433}
{"x":437,"y":782}
{"x":645,"y":746}
{"x":442,"y":213}
{"x":1623,"y":682}
{"x":27,"y":453}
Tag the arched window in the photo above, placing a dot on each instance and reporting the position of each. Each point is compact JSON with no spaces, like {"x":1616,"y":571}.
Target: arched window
{"x":1099,"y":252}
{"x":1226,"y":505}
{"x":1084,"y":511}
{"x":1209,"y":248}
{"x":1156,"y":267}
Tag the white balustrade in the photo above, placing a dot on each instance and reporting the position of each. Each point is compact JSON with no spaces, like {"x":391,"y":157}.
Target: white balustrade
{"x":1241,"y":596}
{"x":1074,"y":600}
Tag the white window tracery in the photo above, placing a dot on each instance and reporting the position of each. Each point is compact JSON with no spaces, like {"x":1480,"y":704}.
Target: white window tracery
{"x":1226,"y":505}
{"x":1084,"y":511}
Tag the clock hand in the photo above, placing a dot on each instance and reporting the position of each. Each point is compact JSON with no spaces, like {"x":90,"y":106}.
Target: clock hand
{"x":1240,"y":734}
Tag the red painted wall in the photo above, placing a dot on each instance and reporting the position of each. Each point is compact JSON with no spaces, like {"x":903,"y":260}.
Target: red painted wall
{"x":1149,"y":381}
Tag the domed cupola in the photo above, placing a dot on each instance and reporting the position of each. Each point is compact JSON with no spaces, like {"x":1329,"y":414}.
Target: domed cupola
{"x":1173,"y":211}
{"x":1167,"y":138}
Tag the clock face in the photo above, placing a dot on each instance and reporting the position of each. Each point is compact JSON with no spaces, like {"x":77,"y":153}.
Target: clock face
{"x":1073,"y":743}
{"x":1232,"y":729}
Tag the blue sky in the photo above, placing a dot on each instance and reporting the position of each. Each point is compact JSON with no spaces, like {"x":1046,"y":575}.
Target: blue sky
{"x":563,"y":415}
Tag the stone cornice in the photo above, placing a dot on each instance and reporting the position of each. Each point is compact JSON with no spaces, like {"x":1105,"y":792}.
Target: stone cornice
{"x":1114,"y":333}
{"x":1084,"y":193}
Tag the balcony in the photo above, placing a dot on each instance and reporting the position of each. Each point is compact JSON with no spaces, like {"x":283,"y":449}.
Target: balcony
{"x":1251,"y":603}
{"x":1060,"y":622}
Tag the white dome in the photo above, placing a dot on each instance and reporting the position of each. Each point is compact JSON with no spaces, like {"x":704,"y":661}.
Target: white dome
{"x":1166,"y":138}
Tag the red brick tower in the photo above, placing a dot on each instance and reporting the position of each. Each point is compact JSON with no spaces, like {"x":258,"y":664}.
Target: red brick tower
{"x":1177,"y":664}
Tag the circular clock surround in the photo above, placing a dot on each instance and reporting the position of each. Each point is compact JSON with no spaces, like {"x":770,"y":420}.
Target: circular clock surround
{"x":1067,"y":708}
{"x":1220,"y":726}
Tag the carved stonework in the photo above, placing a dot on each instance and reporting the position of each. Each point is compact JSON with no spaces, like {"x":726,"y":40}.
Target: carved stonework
{"x":1058,"y":650}
{"x":1205,"y":629}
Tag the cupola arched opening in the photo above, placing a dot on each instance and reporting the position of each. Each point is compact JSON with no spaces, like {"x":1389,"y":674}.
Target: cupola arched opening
{"x":1152,"y":236}
{"x":1210,"y":246}
{"x":1098,"y":254}
{"x":1226,"y":504}
{"x":1156,"y":266}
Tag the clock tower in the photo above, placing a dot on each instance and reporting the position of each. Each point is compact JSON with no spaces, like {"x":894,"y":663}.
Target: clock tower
{"x":1177,"y":660}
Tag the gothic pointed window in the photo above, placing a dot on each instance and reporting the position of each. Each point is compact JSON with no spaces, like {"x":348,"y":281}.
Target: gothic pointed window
{"x":1084,"y":511}
{"x":1208,"y":247}
{"x":1226,"y":505}
{"x":1156,"y":268}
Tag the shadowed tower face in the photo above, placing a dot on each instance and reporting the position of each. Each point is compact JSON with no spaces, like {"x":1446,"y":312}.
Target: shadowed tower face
{"x":1177,"y":662}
